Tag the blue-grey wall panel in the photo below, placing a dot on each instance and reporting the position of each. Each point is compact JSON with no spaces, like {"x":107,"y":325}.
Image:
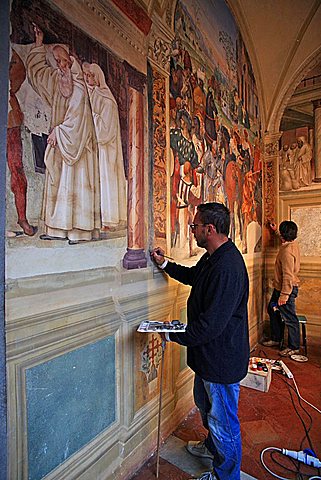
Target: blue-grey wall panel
{"x":70,"y":400}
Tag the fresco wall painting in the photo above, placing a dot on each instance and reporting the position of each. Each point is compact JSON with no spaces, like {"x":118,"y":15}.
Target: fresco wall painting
{"x":214,"y":124}
{"x":78,"y":169}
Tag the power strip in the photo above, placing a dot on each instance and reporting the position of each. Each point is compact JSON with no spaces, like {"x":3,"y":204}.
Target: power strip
{"x":286,"y":370}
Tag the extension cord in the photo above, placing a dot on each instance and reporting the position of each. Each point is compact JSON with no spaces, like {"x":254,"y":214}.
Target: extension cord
{"x":302,"y":457}
{"x":286,"y":370}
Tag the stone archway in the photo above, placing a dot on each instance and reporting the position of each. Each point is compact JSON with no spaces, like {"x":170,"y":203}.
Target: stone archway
{"x":271,"y":142}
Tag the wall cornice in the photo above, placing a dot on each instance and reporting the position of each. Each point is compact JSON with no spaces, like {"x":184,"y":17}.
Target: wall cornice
{"x":108,"y":25}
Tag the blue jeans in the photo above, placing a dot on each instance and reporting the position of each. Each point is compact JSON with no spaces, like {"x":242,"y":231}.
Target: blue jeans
{"x":284,"y":315}
{"x":218,"y":405}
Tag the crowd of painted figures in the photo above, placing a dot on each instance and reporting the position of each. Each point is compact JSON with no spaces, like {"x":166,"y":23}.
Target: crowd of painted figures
{"x":213,"y":158}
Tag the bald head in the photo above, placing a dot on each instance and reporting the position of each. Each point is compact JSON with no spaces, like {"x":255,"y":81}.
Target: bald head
{"x":62,"y":58}
{"x":64,"y":63}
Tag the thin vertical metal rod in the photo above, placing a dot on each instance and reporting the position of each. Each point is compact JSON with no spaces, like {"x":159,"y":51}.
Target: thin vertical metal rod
{"x":160,"y":407}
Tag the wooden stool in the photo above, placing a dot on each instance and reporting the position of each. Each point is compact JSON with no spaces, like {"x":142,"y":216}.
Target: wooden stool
{"x":303,"y":322}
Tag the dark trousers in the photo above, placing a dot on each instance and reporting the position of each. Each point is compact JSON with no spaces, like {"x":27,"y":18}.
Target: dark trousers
{"x":284,"y":315}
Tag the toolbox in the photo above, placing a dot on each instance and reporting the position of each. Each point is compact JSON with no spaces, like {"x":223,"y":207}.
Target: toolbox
{"x":259,"y":374}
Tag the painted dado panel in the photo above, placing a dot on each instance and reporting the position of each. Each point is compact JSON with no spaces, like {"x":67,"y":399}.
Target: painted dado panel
{"x":303,"y":207}
{"x":309,"y":219}
{"x":69,"y":400}
{"x":84,"y":384}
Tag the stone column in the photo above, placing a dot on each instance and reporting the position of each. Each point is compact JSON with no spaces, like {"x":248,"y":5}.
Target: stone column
{"x":135,"y":256}
{"x":317,"y":140}
{"x":270,"y":186}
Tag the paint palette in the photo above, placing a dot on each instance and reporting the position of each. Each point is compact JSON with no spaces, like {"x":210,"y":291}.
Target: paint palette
{"x":174,"y":326}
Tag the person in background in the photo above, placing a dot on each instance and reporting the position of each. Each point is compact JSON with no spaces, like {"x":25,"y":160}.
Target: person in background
{"x":281,"y":308}
{"x":216,"y":337}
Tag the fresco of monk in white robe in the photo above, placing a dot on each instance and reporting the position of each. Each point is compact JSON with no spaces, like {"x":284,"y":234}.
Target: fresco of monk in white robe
{"x":113,"y":188}
{"x":71,"y":195}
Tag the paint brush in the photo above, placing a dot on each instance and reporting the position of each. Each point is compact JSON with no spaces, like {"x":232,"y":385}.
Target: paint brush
{"x":162,"y":255}
{"x":166,"y":256}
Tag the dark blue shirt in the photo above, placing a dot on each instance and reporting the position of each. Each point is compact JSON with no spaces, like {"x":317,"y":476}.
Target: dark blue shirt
{"x":217,"y":334}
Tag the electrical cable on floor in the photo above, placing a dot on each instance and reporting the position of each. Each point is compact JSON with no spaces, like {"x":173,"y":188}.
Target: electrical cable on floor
{"x":300,"y":398}
{"x":300,"y":456}
{"x":275,"y":449}
{"x":306,"y":457}
{"x":299,"y":395}
{"x":307,"y":430}
{"x":295,"y":470}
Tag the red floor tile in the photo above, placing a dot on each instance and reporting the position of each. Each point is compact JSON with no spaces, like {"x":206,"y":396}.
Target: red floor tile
{"x":267,"y":420}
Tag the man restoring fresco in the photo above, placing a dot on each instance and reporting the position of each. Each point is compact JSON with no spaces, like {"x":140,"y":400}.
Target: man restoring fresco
{"x":216,"y":336}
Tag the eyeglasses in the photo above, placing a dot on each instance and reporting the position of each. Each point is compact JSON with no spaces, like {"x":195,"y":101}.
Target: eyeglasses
{"x":194,"y":225}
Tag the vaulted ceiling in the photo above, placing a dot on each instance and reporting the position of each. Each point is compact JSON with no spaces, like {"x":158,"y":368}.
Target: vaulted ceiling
{"x":284,"y":44}
{"x":283,"y":38}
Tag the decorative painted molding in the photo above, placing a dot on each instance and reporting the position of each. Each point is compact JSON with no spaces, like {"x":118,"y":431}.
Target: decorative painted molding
{"x":135,"y":13}
{"x":269,"y":191}
{"x":160,"y":43}
{"x":182,"y":296}
{"x":135,"y":309}
{"x":115,"y":20}
{"x":271,"y":149}
{"x":71,"y":325}
{"x":159,"y":156}
{"x":159,"y":52}
{"x":108,"y":25}
{"x":169,"y":15}
{"x":271,"y":181}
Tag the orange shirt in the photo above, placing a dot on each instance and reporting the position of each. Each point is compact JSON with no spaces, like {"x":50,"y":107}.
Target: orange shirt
{"x":286,"y":269}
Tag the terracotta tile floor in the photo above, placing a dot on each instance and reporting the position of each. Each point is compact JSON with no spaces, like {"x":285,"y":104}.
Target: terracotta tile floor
{"x":267,"y":419}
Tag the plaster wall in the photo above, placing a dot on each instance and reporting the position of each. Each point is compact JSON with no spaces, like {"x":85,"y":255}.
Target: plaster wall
{"x":73,"y":353}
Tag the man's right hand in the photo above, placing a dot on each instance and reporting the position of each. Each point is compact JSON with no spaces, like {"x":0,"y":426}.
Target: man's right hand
{"x":273,"y":227}
{"x":158,"y":255}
